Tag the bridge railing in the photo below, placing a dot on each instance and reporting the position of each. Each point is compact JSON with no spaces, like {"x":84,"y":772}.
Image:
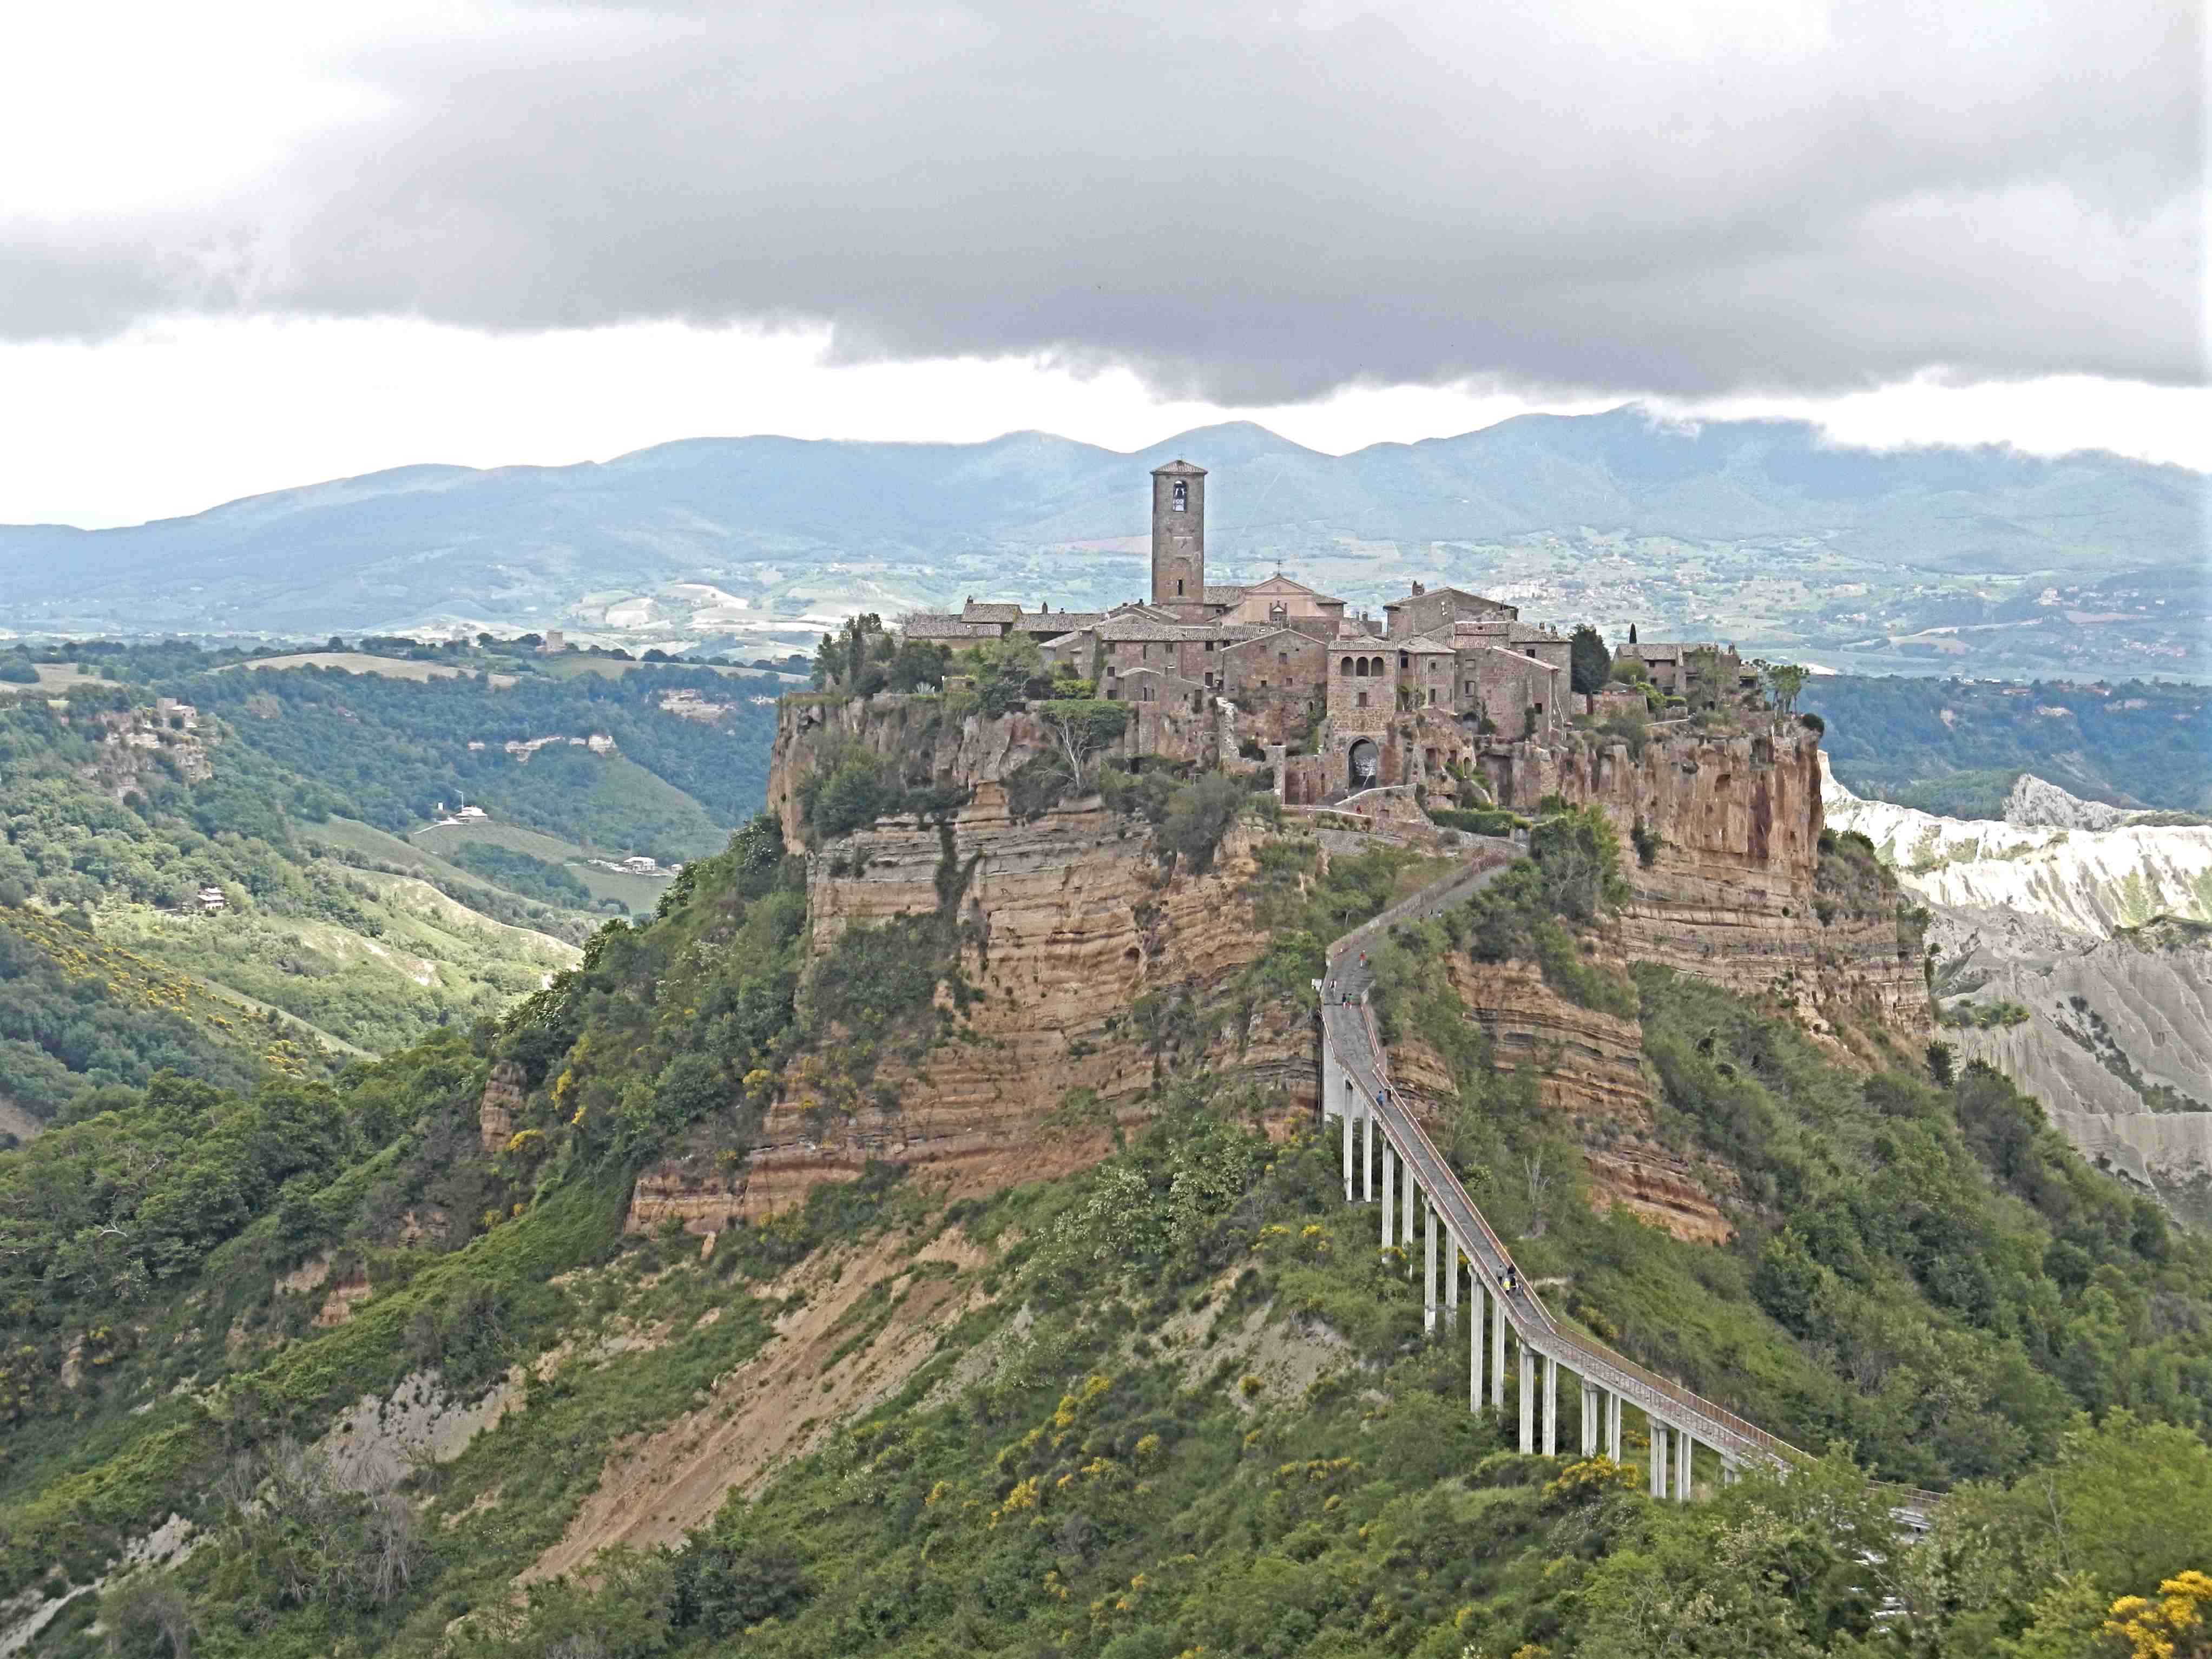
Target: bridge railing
{"x":1615,"y":1369}
{"x":1425,"y":898}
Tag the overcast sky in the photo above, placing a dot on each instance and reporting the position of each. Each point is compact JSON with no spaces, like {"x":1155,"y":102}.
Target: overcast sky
{"x":244,"y":246}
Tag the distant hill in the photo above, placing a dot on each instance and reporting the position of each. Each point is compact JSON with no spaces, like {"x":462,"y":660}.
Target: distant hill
{"x":1737,"y":526}
{"x":1960,"y":747}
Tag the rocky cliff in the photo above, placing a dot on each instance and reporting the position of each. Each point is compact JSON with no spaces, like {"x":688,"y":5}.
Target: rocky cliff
{"x":1590,"y":1068}
{"x":1729,"y":881}
{"x":1069,"y":922}
{"x":1098,"y":968}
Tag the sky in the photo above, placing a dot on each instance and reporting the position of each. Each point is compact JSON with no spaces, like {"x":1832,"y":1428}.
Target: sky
{"x":270,"y":244}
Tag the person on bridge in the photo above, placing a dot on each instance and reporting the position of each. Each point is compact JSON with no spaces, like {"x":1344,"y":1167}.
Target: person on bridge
{"x":1511,"y":1281}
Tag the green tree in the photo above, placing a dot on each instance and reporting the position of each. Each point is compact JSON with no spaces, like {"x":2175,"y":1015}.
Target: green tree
{"x":1590,"y":660}
{"x":1785,"y":680}
{"x":1082,"y":727}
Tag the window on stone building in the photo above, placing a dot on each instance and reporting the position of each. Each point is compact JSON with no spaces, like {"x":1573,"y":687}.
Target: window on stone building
{"x":1182,"y":505}
{"x":1360,"y":668}
{"x":1432,"y":697}
{"x":1363,"y":700}
{"x":1282,"y":656}
{"x":1178,"y":587}
{"x":1344,"y":668}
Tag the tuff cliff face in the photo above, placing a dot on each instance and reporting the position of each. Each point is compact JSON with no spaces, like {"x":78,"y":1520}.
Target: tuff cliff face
{"x":1733,"y":890}
{"x":1588,"y":1066}
{"x":1098,"y":968}
{"x":1069,"y":921}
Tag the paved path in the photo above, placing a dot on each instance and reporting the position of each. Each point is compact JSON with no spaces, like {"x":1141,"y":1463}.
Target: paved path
{"x":1347,"y":1027}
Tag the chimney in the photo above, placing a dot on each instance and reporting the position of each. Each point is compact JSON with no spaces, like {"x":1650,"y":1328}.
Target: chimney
{"x":1418,"y":590}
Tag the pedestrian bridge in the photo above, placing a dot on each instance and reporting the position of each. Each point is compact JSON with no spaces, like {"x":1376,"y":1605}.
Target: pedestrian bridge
{"x":1385,"y":1148}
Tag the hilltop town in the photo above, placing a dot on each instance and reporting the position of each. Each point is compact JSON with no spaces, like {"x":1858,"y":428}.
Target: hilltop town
{"x":1443,"y":688}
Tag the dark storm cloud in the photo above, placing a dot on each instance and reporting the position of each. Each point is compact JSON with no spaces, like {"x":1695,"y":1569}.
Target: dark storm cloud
{"x":1248,"y":204}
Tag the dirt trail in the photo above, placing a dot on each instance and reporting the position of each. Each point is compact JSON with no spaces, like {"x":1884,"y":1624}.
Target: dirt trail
{"x":784,"y":1402}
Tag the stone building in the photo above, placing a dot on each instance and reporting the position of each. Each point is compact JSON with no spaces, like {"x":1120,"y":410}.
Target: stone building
{"x":1400,"y":699}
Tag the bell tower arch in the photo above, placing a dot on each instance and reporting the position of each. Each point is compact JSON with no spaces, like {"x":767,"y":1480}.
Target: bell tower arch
{"x":1179,"y":538}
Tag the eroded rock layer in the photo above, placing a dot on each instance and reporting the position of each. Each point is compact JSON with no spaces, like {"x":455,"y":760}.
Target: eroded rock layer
{"x":1731,"y":892}
{"x":1069,"y":921}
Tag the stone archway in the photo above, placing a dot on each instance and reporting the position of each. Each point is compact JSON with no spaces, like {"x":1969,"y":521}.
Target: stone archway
{"x":1365,"y":769}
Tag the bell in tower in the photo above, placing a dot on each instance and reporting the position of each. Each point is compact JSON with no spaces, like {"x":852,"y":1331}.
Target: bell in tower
{"x":1179,"y":539}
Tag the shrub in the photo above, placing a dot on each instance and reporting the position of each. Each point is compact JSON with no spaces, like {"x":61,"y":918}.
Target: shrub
{"x":1484,"y":822}
{"x":1197,"y":817}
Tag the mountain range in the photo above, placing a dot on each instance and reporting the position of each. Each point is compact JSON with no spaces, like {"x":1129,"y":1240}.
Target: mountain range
{"x":1759,"y":531}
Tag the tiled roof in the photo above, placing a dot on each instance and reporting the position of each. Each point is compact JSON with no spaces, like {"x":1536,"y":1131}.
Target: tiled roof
{"x":1427,"y":645}
{"x":927,"y":626}
{"x":1037,"y":621}
{"x":1527,"y":661}
{"x":1115,"y":628}
{"x":1229,"y":595}
{"x":1180,"y":465}
{"x":1457,"y":592}
{"x":995,"y":613}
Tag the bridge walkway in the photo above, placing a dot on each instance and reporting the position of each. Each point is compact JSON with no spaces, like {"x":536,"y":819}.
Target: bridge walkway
{"x":1356,"y":1087}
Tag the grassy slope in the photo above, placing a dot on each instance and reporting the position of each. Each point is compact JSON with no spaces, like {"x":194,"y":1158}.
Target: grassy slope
{"x":356,"y":662}
{"x":640,"y":893}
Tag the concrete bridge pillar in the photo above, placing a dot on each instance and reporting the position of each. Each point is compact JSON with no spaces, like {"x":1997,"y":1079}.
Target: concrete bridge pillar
{"x":1409,"y":1193}
{"x":1658,"y":1456}
{"x":1451,"y":1278}
{"x":1684,"y":1447}
{"x":1498,"y":1354}
{"x":1367,"y":1160}
{"x":1612,"y":1427}
{"x":1528,"y":1399}
{"x":1587,"y":1443}
{"x":1551,"y":1407}
{"x":1390,"y":1194}
{"x":1475,"y":1334}
{"x":1346,"y":1115}
{"x":1428,"y":1266}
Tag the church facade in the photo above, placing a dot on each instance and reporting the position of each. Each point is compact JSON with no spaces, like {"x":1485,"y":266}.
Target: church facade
{"x":1396,"y":700}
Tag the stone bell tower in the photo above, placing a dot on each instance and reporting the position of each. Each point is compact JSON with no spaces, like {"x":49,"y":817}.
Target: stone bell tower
{"x":1179,"y":539}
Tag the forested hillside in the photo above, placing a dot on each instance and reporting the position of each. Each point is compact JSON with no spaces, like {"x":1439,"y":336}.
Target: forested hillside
{"x":1955,"y":747}
{"x":213,"y":867}
{"x":401,"y":1382}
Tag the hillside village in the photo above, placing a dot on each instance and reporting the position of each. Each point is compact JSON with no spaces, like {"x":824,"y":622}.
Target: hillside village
{"x":1445,"y":685}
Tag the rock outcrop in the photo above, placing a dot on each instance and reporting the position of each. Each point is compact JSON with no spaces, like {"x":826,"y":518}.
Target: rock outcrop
{"x":2035,"y":801}
{"x":1590,"y":1068}
{"x":1068,"y":923}
{"x":1068,"y":919}
{"x":1732,"y":888}
{"x":502,"y":1098}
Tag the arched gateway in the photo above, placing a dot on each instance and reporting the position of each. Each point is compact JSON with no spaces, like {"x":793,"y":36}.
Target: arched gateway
{"x":1366,"y":765}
